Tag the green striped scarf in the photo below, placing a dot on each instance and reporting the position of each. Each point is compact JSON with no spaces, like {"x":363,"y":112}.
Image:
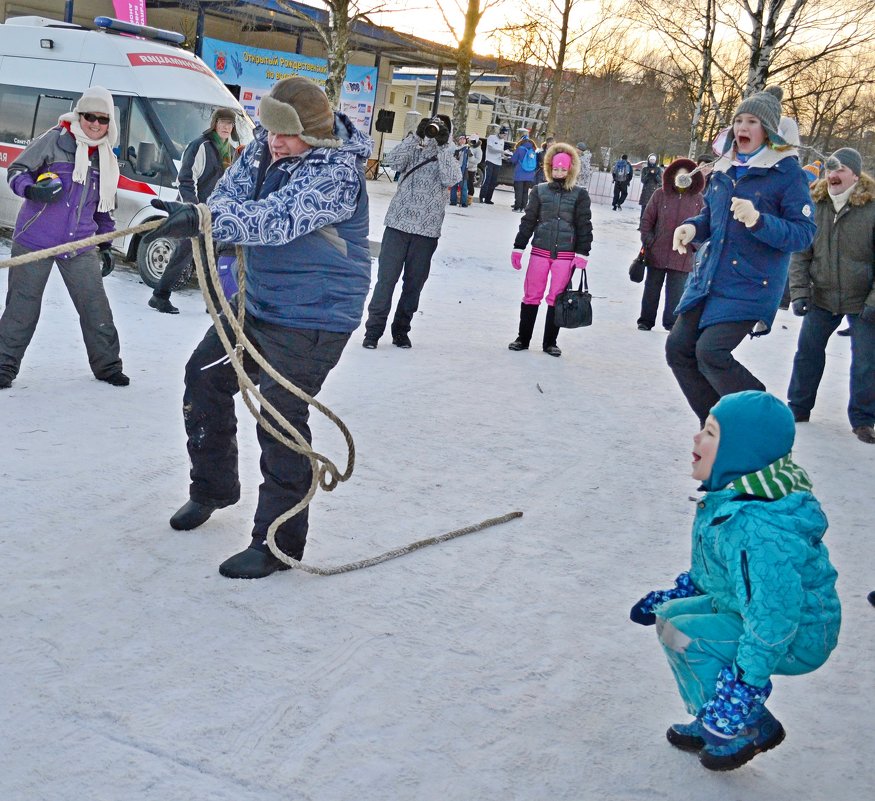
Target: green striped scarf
{"x":774,"y":481}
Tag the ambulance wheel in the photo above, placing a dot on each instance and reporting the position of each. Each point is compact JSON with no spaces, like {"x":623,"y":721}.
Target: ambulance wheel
{"x":152,"y":259}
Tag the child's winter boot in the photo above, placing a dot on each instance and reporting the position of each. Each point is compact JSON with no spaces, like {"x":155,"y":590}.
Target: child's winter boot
{"x":551,"y":331}
{"x":736,"y":725}
{"x":762,"y":733}
{"x":528,"y":315}
{"x":687,"y":736}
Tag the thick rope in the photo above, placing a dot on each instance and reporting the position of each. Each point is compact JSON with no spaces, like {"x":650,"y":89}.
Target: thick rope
{"x":81,"y":244}
{"x":325,"y":473}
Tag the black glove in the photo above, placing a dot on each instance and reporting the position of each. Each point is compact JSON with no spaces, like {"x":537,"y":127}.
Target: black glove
{"x":800,"y":307}
{"x":47,"y":190}
{"x":107,"y":263}
{"x":420,"y":129}
{"x":443,"y":135}
{"x":867,"y":315}
{"x":182,"y":221}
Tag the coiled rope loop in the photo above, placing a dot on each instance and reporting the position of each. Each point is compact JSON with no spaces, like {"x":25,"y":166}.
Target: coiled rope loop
{"x":325,"y":473}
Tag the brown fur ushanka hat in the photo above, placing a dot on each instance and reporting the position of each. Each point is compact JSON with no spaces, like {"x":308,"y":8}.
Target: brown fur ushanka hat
{"x":298,"y":107}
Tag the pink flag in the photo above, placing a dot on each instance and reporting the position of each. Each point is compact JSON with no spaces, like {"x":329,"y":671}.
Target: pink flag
{"x":130,"y":11}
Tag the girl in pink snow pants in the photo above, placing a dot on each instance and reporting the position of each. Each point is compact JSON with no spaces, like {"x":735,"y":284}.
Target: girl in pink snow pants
{"x":557,"y":221}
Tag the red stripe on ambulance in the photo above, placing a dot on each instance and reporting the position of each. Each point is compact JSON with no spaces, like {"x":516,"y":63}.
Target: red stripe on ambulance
{"x":160,"y":60}
{"x":8,"y":154}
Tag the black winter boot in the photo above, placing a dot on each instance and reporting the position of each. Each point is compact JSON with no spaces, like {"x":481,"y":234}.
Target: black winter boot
{"x":528,"y":315}
{"x":254,"y":563}
{"x":551,"y":331}
{"x":191,"y":515}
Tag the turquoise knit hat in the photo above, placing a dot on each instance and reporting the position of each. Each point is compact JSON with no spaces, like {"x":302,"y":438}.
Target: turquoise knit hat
{"x":756,"y":429}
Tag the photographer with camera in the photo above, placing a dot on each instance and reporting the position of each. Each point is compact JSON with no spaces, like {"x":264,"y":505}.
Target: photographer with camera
{"x":425,"y":160}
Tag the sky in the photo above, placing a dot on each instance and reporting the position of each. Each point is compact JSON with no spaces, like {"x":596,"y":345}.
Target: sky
{"x":499,"y":665}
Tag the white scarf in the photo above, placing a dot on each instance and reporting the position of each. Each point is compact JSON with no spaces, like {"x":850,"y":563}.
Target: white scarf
{"x":107,"y":162}
{"x":839,"y":200}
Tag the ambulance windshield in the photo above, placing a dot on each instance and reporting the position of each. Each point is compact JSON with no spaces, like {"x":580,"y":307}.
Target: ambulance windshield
{"x":184,"y":121}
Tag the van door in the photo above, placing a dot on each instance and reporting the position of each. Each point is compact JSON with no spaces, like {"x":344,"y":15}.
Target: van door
{"x":143,"y":158}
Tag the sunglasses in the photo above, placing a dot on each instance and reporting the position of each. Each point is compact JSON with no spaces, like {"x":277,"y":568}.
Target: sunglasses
{"x":95,"y":118}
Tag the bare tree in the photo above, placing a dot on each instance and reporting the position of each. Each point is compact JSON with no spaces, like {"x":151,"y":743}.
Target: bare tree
{"x":834,"y":26}
{"x":832,"y":100}
{"x":522,"y":47}
{"x":473,"y":14}
{"x":334,"y":34}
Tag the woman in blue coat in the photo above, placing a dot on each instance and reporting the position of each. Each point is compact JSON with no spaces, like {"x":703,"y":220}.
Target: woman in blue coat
{"x":757,"y":212}
{"x":759,"y":598}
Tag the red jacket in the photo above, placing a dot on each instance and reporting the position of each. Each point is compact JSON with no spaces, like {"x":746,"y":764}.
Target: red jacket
{"x":665,"y":211}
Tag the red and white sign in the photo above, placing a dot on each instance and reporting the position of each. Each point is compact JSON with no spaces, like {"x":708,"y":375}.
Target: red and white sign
{"x":160,"y":60}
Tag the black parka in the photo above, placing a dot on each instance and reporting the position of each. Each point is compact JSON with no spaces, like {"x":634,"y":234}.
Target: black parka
{"x":557,"y":219}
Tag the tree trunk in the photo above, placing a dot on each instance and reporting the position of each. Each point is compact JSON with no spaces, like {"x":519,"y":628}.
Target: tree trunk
{"x":556,"y":90}
{"x":338,"y":51}
{"x":705,"y":78}
{"x":462,"y":86}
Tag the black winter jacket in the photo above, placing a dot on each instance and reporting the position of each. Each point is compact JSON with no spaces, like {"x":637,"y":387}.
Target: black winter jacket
{"x":200,"y":170}
{"x":559,"y":218}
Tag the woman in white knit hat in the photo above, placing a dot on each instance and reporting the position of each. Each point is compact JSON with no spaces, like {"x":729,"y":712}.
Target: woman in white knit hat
{"x":68,"y":178}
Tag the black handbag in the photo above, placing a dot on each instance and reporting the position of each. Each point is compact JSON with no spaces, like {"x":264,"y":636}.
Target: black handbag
{"x":636,"y":269}
{"x":573,"y":307}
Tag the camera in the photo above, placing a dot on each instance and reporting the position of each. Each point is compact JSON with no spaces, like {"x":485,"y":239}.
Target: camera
{"x":433,"y":127}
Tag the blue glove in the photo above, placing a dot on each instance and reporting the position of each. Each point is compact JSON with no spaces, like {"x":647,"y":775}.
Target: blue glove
{"x":107,"y":263}
{"x":183,"y":221}
{"x":733,"y":704}
{"x":644,"y":611}
{"x":800,"y":307}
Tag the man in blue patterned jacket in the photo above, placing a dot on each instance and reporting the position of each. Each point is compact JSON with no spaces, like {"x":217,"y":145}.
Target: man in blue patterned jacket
{"x":296,"y":201}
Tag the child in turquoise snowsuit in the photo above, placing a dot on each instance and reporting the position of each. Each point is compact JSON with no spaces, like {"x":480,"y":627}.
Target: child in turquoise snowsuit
{"x":760,"y":596}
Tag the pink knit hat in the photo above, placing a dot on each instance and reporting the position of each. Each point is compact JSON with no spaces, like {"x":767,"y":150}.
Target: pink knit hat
{"x":562,"y":161}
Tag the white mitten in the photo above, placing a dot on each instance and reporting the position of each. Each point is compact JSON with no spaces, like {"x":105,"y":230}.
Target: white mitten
{"x":744,"y":211}
{"x":683,"y":235}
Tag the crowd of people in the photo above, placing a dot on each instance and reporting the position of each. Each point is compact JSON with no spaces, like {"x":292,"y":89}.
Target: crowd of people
{"x":720,"y":236}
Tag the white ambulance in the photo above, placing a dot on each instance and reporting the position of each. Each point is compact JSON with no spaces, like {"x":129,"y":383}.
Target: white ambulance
{"x":164,"y":97}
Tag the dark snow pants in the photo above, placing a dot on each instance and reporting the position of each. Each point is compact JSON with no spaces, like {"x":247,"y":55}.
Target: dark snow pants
{"x":702,"y":361}
{"x":674,"y":281}
{"x":24,"y":299}
{"x":621,"y":191}
{"x":179,"y":260}
{"x":305,"y":358}
{"x":490,"y":181}
{"x":400,"y":253}
{"x":810,"y":360}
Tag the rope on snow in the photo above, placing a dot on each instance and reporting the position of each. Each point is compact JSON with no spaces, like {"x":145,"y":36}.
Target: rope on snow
{"x":325,"y":473}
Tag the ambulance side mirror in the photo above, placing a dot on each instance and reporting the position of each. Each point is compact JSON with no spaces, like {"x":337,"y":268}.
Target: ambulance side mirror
{"x":145,"y":159}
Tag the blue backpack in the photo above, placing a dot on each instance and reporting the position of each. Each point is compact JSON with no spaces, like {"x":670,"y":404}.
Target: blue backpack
{"x":530,"y":160}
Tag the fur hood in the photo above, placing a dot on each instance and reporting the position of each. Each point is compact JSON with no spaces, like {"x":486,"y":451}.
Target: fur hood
{"x":863,"y":193}
{"x":671,"y":172}
{"x":563,"y":147}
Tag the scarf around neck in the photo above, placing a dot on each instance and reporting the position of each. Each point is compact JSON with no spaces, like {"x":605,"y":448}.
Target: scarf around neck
{"x":224,"y":148}
{"x":107,"y":162}
{"x":840,"y":200}
{"x":775,"y":480}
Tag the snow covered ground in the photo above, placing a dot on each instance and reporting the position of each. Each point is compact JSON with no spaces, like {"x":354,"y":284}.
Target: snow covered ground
{"x":501,"y":665}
